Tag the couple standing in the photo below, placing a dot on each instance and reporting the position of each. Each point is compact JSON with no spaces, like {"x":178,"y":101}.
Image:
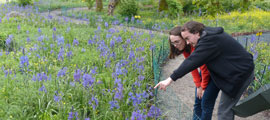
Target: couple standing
{"x":224,"y":65}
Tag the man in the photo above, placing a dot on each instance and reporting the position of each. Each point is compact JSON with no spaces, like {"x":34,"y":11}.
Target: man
{"x":230,"y":65}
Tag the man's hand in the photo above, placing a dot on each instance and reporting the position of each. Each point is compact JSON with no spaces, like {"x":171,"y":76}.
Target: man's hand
{"x":163,"y":84}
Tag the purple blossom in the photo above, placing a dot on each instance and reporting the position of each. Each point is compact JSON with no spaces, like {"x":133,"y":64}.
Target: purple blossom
{"x":60,"y":40}
{"x":106,"y":24}
{"x":69,"y":54}
{"x":253,"y":38}
{"x":24,"y":62}
{"x":19,"y":27}
{"x":28,"y":39}
{"x":62,"y":72}
{"x":126,"y":19}
{"x":90,"y":42}
{"x":112,"y":43}
{"x":93,"y":102}
{"x":108,"y":63}
{"x":54,"y":28}
{"x":70,"y":115}
{"x":61,"y":54}
{"x":269,"y":67}
{"x":114,"y":104}
{"x":140,"y":77}
{"x":87,"y":119}
{"x":39,"y":30}
{"x":43,"y":89}
{"x":88,"y":80}
{"x":138,"y":115}
{"x":77,"y":75}
{"x":255,"y":56}
{"x":131,"y":55}
{"x":154,"y":112}
{"x":75,"y":42}
{"x":57,"y":98}
{"x":9,"y":40}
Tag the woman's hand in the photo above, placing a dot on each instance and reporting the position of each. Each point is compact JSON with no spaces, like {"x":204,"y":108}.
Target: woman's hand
{"x":200,"y":92}
{"x":163,"y":84}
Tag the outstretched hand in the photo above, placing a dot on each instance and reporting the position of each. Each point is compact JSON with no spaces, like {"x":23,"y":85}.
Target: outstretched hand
{"x":163,"y":84}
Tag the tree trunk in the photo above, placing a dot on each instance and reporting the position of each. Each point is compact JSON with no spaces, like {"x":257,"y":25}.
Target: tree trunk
{"x":111,"y":6}
{"x":99,"y":5}
{"x":162,"y":5}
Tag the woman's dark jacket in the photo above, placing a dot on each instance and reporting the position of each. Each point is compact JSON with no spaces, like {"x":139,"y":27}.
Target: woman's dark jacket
{"x":228,"y":62}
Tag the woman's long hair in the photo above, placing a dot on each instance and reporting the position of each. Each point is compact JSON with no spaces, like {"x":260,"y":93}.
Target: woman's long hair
{"x":176,"y":31}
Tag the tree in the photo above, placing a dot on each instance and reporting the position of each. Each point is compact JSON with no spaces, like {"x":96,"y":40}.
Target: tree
{"x":111,"y":6}
{"x":162,"y":5}
{"x":99,"y":5}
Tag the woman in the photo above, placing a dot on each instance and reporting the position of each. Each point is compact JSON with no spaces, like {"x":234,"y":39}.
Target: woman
{"x":204,"y":102}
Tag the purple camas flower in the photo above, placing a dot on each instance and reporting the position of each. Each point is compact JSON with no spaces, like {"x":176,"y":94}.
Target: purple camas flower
{"x":70,"y":115}
{"x":138,"y":115}
{"x":126,"y":19}
{"x":9,"y":40}
{"x":253,"y":38}
{"x":269,"y":67}
{"x":75,"y":42}
{"x":131,"y":55}
{"x":43,"y":89}
{"x":154,"y":112}
{"x":24,"y":62}
{"x":77,"y":75}
{"x":57,"y":98}
{"x":87,"y":119}
{"x":54,"y":28}
{"x":112,"y":43}
{"x":88,"y":80}
{"x":28,"y":39}
{"x":69,"y":54}
{"x":108,"y":63}
{"x":119,"y":92}
{"x":60,"y":40}
{"x":19,"y":27}
{"x":93,"y":102}
{"x":61,"y":54}
{"x":39,"y":30}
{"x":140,"y":77}
{"x":114,"y":104}
{"x":106,"y":24}
{"x":132,"y":19}
{"x":62,"y":72}
{"x":255,"y":55}
{"x":90,"y":42}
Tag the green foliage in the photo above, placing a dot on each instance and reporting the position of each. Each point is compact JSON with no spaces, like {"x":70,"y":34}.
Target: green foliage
{"x":25,"y":2}
{"x":90,"y":3}
{"x":174,"y":8}
{"x":262,"y":4}
{"x":128,"y":8}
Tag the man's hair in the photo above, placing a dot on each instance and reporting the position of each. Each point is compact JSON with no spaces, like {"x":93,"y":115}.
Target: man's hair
{"x":176,"y":31}
{"x":193,"y":27}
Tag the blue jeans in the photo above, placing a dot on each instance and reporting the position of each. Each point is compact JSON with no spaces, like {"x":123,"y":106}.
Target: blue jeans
{"x":203,"y":108}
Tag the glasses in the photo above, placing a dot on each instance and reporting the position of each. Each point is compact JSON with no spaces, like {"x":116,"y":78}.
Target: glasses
{"x":175,"y":42}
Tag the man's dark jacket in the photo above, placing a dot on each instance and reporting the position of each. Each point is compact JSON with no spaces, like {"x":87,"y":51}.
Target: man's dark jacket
{"x":228,"y":62}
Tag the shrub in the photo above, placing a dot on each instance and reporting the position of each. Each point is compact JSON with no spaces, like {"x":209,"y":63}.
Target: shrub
{"x":128,"y":8}
{"x":90,"y":3}
{"x":174,"y":8}
{"x":25,"y":2}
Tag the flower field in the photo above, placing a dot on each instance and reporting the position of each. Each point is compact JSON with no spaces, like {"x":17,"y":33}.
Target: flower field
{"x":54,"y":69}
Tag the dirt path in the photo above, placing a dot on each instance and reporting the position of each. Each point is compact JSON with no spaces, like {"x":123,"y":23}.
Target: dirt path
{"x":184,"y":89}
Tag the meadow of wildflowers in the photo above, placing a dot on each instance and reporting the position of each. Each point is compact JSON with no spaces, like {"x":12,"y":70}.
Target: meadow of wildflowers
{"x":54,"y":69}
